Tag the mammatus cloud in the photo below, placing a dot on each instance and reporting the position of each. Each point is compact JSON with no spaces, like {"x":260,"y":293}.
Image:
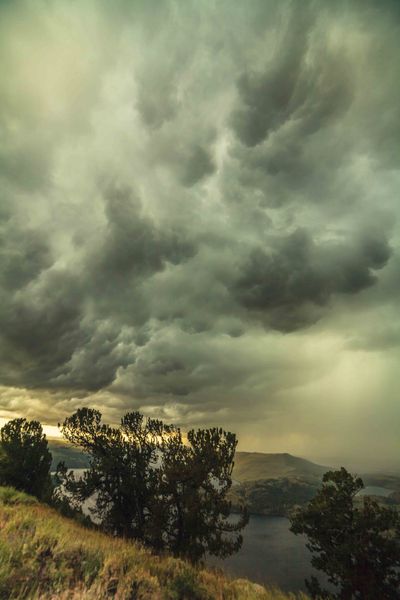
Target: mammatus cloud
{"x":198,"y":215}
{"x":287,"y":284}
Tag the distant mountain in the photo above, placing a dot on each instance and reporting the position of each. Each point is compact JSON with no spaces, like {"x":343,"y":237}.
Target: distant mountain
{"x":254,"y":466}
{"x":62,"y":451}
{"x":268,"y":484}
{"x":249,"y":466}
{"x":273,"y":484}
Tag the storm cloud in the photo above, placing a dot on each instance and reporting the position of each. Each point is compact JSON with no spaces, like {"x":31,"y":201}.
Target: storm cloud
{"x":198,"y":215}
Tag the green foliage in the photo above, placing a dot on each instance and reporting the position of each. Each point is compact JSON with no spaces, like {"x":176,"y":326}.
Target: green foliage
{"x":195,"y":478}
{"x":25,"y":458}
{"x":66,"y":507}
{"x":149,"y":485}
{"x":357,"y":545}
{"x":10,"y":496}
{"x":120,"y":473}
{"x":187,"y":585}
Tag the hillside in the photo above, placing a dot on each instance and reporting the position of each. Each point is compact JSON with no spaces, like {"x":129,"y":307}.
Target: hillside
{"x":45,"y":556}
{"x":249,"y":466}
{"x":269,"y":484}
{"x":253,"y":466}
{"x":272,"y":484}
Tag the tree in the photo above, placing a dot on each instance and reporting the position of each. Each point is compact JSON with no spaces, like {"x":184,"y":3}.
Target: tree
{"x":146,"y":483}
{"x":195,"y":480}
{"x":121,"y":476}
{"x":25,"y":459}
{"x":353,"y":540}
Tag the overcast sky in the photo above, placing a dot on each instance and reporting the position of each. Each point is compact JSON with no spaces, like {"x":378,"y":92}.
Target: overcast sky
{"x":198,"y":217}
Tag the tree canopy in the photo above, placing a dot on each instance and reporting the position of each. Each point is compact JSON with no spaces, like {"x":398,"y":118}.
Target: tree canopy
{"x":147,"y":482}
{"x":353,"y":540}
{"x":195,"y":477}
{"x":25,"y":459}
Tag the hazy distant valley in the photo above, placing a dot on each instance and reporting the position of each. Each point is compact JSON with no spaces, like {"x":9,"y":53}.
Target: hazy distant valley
{"x":268,"y":484}
{"x":273,"y":484}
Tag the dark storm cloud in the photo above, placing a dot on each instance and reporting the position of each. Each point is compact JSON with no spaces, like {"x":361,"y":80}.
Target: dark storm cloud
{"x":304,"y":83}
{"x":71,"y":329}
{"x":179,"y":368}
{"x":48,"y":338}
{"x":40,"y":330}
{"x":282,"y":283}
{"x":131,"y":245}
{"x":269,"y":98}
{"x":23,"y":255}
{"x":199,"y":164}
{"x":187,"y":188}
{"x":130,"y":249}
{"x":287,"y":116}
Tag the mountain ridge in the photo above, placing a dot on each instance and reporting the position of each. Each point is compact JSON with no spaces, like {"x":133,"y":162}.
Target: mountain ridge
{"x":254,"y":466}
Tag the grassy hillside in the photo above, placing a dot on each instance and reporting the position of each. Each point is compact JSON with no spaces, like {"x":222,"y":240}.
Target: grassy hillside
{"x":46,"y":556}
{"x":253,"y":466}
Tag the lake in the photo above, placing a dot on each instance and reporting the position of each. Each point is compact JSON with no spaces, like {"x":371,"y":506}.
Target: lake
{"x":375,"y":490}
{"x":271,"y":555}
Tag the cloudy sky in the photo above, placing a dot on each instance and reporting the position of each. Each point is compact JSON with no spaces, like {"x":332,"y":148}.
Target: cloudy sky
{"x":198,"y":217}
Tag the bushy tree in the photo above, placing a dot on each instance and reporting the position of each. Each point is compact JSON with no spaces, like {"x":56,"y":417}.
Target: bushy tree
{"x":352,"y":539}
{"x":25,"y":459}
{"x":195,"y":479}
{"x":121,"y":476}
{"x":148,"y":483}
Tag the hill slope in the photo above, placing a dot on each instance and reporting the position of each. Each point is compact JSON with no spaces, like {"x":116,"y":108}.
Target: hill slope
{"x":249,"y":466}
{"x":44,"y":555}
{"x":253,"y":466}
{"x":273,"y":484}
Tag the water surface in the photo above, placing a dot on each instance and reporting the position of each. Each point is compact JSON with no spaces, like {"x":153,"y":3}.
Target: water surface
{"x":375,"y":490}
{"x":271,"y":554}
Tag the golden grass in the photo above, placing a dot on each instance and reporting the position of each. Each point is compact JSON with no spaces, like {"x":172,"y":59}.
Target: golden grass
{"x":46,"y":556}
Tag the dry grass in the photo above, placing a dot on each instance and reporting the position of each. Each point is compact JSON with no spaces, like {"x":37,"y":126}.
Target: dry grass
{"x":46,"y":556}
